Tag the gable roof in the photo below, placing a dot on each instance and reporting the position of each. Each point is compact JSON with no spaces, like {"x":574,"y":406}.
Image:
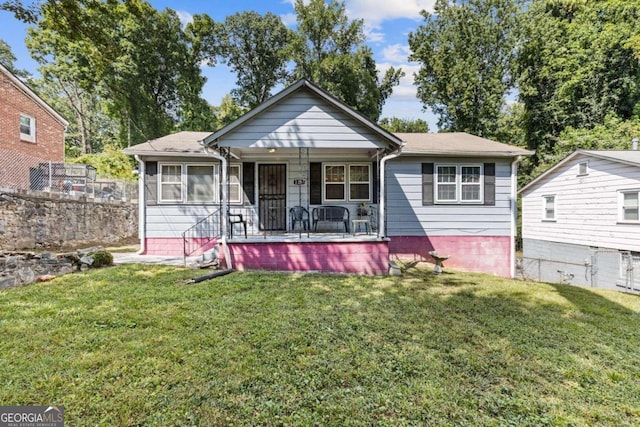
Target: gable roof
{"x":184,"y":143}
{"x":303,"y":84}
{"x":630,"y":157}
{"x":31,"y":94}
{"x":457,"y":144}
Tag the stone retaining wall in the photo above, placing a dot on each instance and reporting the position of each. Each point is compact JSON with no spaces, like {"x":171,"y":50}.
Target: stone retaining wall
{"x":22,"y":268}
{"x":35,"y":220}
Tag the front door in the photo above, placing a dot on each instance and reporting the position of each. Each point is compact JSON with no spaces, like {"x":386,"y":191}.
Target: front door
{"x":272,"y":196}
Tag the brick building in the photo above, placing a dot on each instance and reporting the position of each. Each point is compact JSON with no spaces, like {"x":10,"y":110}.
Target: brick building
{"x":31,"y":132}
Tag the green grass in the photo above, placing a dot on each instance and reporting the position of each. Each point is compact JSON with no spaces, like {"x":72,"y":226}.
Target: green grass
{"x":133,"y":345}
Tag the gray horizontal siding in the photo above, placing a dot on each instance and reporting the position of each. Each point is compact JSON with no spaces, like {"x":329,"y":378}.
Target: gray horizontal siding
{"x":586,"y":206}
{"x":303,"y":120}
{"x":172,"y":220}
{"x":406,"y":216}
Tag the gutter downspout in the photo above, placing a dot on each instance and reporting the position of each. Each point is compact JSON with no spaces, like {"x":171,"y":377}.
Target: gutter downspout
{"x":142,"y":206}
{"x":381,"y":213}
{"x":514,"y":215}
{"x":225,"y":203}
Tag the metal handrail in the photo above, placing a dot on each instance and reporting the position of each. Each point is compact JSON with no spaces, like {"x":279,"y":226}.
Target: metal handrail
{"x":201,"y":233}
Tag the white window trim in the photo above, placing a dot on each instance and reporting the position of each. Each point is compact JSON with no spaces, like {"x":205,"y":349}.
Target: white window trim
{"x":621,"y":218}
{"x":458,"y":183}
{"x":184,"y":166}
{"x":239,"y":184}
{"x":544,"y":208}
{"x":161,"y":183}
{"x":32,"y":127}
{"x":346,"y":183}
{"x":352,"y":199}
{"x":586,"y":168}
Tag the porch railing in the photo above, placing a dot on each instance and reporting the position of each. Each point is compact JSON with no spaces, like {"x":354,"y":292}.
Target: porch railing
{"x":201,"y":234}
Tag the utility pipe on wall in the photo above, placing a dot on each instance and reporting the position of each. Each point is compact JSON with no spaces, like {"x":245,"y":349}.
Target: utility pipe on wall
{"x":224,"y":205}
{"x":514,"y":215}
{"x":142,"y":206}
{"x":381,"y":212}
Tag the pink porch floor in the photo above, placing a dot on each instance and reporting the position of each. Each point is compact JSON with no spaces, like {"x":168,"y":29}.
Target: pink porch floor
{"x":484,"y":254}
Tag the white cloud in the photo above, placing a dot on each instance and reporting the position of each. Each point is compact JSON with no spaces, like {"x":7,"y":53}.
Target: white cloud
{"x":288,"y":19}
{"x":374,"y":12}
{"x":395,"y":53}
{"x":185,"y":17}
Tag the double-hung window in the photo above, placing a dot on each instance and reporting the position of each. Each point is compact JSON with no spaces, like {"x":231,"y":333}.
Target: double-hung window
{"x":27,"y":128}
{"x":171,"y":183}
{"x":188,"y":183}
{"x":347,"y":182}
{"x":235,"y":185}
{"x":549,"y":208}
{"x":630,"y":205}
{"x":458,"y":183}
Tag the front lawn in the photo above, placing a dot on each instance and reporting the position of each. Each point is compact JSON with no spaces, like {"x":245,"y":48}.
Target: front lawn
{"x":133,"y":345}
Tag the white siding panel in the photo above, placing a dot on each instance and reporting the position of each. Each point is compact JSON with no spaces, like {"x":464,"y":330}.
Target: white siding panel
{"x":406,"y":216}
{"x":586,"y":206}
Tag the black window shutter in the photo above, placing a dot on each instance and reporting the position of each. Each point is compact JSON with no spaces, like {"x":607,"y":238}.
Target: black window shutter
{"x":490,"y":184}
{"x":374,"y":182}
{"x":248,"y":181}
{"x":151,"y":183}
{"x":427,"y":184}
{"x":315,"y":183}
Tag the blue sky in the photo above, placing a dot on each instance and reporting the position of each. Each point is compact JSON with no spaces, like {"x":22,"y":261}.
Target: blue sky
{"x":387,"y":25}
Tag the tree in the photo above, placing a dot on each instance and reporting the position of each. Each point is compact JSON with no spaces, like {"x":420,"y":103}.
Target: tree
{"x":228,"y":111}
{"x":466,"y":52}
{"x":576,"y":67}
{"x":8,"y":59}
{"x":256,"y":49}
{"x":395,"y":124}
{"x":137,"y":59}
{"x":329,"y":50}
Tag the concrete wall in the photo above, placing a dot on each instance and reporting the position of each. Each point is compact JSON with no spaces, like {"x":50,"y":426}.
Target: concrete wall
{"x":40,"y":221}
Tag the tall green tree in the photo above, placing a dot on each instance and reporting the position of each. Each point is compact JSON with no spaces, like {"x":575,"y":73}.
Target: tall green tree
{"x":256,"y":49}
{"x":465,"y":49}
{"x":577,"y":65}
{"x":329,"y":50}
{"x":8,"y":60}
{"x":139,"y":60}
{"x":396,"y":124}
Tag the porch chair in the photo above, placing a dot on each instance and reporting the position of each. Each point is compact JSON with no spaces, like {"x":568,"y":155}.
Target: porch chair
{"x":237,"y":219}
{"x":298,"y":214}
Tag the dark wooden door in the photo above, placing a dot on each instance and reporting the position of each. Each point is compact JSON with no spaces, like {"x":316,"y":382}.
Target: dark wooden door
{"x":272,"y":196}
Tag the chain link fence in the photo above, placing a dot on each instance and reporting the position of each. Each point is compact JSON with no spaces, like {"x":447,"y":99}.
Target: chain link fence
{"x":28,"y":173}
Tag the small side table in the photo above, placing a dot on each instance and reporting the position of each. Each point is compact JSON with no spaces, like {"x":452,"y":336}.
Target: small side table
{"x":355,"y":223}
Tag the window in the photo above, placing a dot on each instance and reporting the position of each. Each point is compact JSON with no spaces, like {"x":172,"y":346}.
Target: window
{"x":188,"y":183}
{"x":344,"y":182}
{"x":630,"y":205}
{"x":235,"y":185}
{"x":334,"y":182}
{"x":583,"y":168}
{"x":359,"y":182}
{"x":171,"y":183}
{"x":458,"y":183}
{"x":549,"y":207}
{"x":200,"y":183}
{"x":27,"y":128}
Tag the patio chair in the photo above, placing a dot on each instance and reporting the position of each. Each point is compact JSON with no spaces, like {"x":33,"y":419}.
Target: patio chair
{"x":299,"y":214}
{"x":237,"y":219}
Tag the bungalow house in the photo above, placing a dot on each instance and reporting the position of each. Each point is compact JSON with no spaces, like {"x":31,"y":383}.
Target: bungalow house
{"x":303,"y":182}
{"x":31,"y":133}
{"x":580,"y":222}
